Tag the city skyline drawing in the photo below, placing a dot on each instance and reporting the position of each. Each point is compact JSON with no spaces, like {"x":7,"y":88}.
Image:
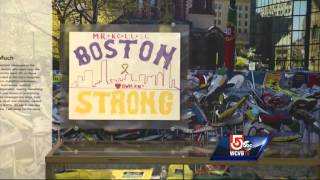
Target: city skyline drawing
{"x":90,"y":78}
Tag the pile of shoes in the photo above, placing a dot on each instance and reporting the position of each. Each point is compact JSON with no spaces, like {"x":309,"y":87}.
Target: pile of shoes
{"x":218,"y":103}
{"x":281,"y":112}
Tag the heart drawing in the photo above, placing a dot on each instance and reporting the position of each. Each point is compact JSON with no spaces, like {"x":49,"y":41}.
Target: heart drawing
{"x":118,"y":85}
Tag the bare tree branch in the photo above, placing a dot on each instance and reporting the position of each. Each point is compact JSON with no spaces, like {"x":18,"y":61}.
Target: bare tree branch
{"x":82,"y":12}
{"x":33,"y":24}
{"x":66,"y":8}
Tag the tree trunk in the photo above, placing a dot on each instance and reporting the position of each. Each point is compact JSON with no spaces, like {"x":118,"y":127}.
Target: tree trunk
{"x":61,"y":48}
{"x":95,"y":11}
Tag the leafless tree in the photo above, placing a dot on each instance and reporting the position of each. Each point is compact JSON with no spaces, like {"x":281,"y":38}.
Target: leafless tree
{"x":89,"y":9}
{"x":63,"y":8}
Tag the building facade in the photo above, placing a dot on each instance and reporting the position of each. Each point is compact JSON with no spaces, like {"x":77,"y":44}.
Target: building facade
{"x":286,"y":33}
{"x":314,"y":49}
{"x":207,"y":13}
{"x":163,"y":10}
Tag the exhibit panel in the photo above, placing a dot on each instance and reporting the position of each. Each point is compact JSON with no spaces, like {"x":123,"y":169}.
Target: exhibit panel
{"x":25,"y":88}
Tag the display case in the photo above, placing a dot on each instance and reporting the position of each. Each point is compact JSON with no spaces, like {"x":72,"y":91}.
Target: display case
{"x":176,"y":160}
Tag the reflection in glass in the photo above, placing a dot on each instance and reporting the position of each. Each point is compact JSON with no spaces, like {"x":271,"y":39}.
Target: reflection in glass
{"x":315,"y":6}
{"x":314,"y":50}
{"x":298,"y":37}
{"x":286,"y":24}
{"x":299,"y":22}
{"x":299,"y":7}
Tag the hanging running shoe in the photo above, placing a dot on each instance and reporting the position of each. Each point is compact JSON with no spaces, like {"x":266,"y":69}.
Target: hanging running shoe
{"x":217,"y":81}
{"x":229,"y":112}
{"x":237,"y":81}
{"x":200,"y":116}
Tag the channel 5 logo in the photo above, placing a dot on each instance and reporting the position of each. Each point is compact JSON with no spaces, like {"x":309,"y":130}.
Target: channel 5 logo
{"x":239,"y":147}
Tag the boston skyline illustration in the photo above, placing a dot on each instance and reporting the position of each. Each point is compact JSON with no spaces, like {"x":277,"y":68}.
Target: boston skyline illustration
{"x":158,"y":81}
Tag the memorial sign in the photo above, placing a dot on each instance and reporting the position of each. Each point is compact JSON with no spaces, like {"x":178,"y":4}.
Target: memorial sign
{"x":124,"y":76}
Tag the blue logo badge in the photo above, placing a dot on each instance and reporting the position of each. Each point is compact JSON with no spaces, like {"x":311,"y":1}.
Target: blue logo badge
{"x":239,"y":147}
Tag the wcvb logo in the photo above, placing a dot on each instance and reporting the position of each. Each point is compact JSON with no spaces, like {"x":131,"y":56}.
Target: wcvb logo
{"x":238,"y":146}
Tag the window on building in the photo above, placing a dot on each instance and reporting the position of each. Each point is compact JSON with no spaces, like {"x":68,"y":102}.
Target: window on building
{"x":247,"y":8}
{"x":288,"y":34}
{"x":299,"y":7}
{"x":144,"y":11}
{"x":219,"y":14}
{"x":202,"y":7}
{"x":314,"y":49}
{"x":239,"y":30}
{"x":239,"y":15}
{"x":245,"y":31}
{"x":215,"y":22}
{"x":219,"y":6}
{"x":315,"y":32}
{"x":246,"y":15}
{"x":219,"y":22}
{"x":246,"y":23}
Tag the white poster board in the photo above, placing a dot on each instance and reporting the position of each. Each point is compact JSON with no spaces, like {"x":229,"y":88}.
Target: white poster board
{"x":124,"y":76}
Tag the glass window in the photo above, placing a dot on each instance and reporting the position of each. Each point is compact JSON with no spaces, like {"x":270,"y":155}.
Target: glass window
{"x":245,"y":31}
{"x":152,"y":3}
{"x":314,"y":54}
{"x":285,"y":39}
{"x":219,"y":6}
{"x":297,"y":54}
{"x":140,"y":2}
{"x":239,"y":15}
{"x":299,"y":22}
{"x":259,"y":3}
{"x":258,"y":10}
{"x":246,"y":15}
{"x":288,"y":28}
{"x":288,"y":3}
{"x":275,"y":25}
{"x":315,"y":7}
{"x":219,"y":22}
{"x":298,"y":37}
{"x":299,"y":7}
{"x":315,"y":19}
{"x":315,"y":34}
{"x":246,"y":8}
{"x":239,"y":30}
{"x":245,"y":23}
